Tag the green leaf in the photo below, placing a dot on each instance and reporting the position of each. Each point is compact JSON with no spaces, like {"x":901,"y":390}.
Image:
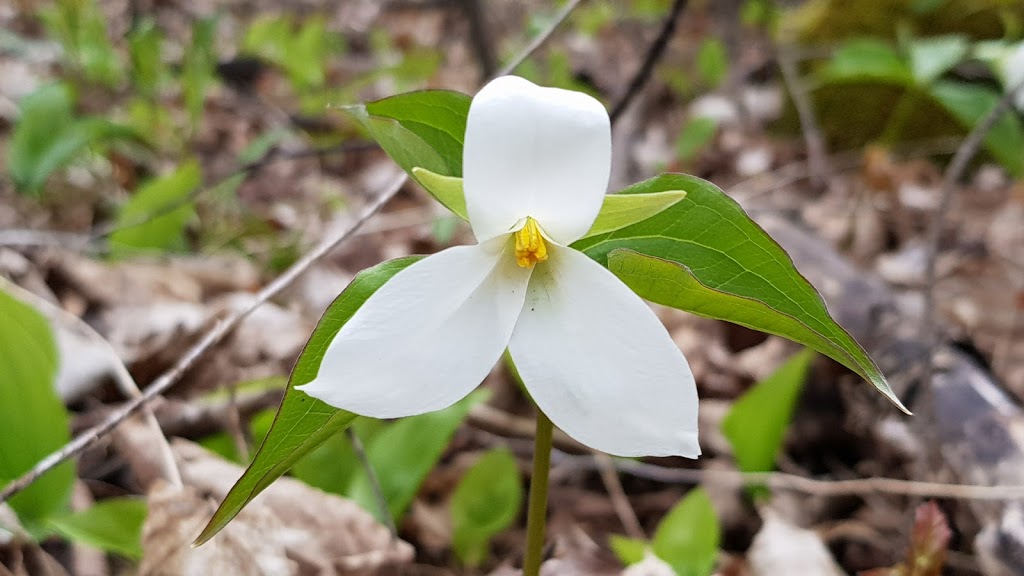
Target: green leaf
{"x":617,"y":210}
{"x":156,"y":216}
{"x":930,"y":58}
{"x":113,"y":525}
{"x":147,"y":64}
{"x":445,"y":189}
{"x":970,"y":104}
{"x":621,"y":210}
{"x":436,"y":117}
{"x":687,"y":538}
{"x":756,"y":424}
{"x":712,"y":61}
{"x":628,"y":550}
{"x":705,"y":255}
{"x":81,"y":28}
{"x":197,"y":67}
{"x":404,"y":452}
{"x":485,"y":503}
{"x":867,"y":59}
{"x":333,"y":464}
{"x":403,"y":146}
{"x":47,"y":136}
{"x":303,"y":422}
{"x":695,"y":135}
{"x":33,"y":420}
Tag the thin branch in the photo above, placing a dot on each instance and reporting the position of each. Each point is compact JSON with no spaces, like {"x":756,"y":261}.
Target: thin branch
{"x":124,"y":380}
{"x":811,"y":486}
{"x":540,"y":39}
{"x":480,"y":36}
{"x":654,"y":54}
{"x":620,"y":502}
{"x":371,"y":476}
{"x":817,"y":155}
{"x":213,"y":337}
{"x":964,"y":154}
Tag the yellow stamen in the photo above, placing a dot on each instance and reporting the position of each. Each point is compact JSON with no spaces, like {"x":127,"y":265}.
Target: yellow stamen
{"x":530,"y":246}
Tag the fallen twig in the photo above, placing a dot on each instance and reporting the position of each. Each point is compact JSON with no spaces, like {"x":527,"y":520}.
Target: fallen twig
{"x":805,"y":485}
{"x":817,"y":156}
{"x":964,"y":154}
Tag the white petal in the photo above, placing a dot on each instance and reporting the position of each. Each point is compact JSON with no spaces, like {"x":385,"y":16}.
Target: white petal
{"x":532,"y":151}
{"x":600,"y":364}
{"x":427,"y":337}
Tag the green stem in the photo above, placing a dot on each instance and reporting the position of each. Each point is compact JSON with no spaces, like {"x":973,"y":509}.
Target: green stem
{"x":537,"y":513}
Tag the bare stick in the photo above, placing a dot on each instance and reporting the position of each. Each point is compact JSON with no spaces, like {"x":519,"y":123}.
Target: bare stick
{"x":214,"y":336}
{"x":620,"y":502}
{"x":371,"y":475}
{"x":480,"y":37}
{"x":812,"y":486}
{"x":817,"y":156}
{"x":964,"y":154}
{"x":654,"y":54}
{"x":540,"y":39}
{"x":124,"y":380}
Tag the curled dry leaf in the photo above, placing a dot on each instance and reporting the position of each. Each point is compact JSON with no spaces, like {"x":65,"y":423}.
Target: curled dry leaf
{"x":289,"y":529}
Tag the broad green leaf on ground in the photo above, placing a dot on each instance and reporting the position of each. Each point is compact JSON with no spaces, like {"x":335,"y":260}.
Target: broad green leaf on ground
{"x":756,"y":424}
{"x":113,"y":525}
{"x":303,"y":422}
{"x":932,"y":57}
{"x":47,"y":136}
{"x":969,"y":104}
{"x":867,"y":59}
{"x":687,"y":538}
{"x":156,"y":215}
{"x":33,"y":420}
{"x":486,"y":502}
{"x":436,"y":118}
{"x":705,"y":255}
{"x":617,"y":211}
{"x":405,"y":452}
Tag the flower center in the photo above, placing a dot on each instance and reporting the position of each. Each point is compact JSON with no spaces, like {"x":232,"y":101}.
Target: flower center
{"x":530,"y":246}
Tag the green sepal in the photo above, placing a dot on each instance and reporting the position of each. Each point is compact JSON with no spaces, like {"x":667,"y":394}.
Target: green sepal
{"x":617,"y":211}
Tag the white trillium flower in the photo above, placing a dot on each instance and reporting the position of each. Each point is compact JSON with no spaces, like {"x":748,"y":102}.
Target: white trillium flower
{"x":593,"y":355}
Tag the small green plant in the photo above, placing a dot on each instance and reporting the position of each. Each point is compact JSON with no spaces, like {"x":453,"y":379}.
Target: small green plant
{"x":486,"y":502}
{"x":686,"y":538}
{"x":48,"y":136}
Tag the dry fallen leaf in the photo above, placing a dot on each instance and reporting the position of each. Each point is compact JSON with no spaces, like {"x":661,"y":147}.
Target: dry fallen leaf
{"x":289,"y":529}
